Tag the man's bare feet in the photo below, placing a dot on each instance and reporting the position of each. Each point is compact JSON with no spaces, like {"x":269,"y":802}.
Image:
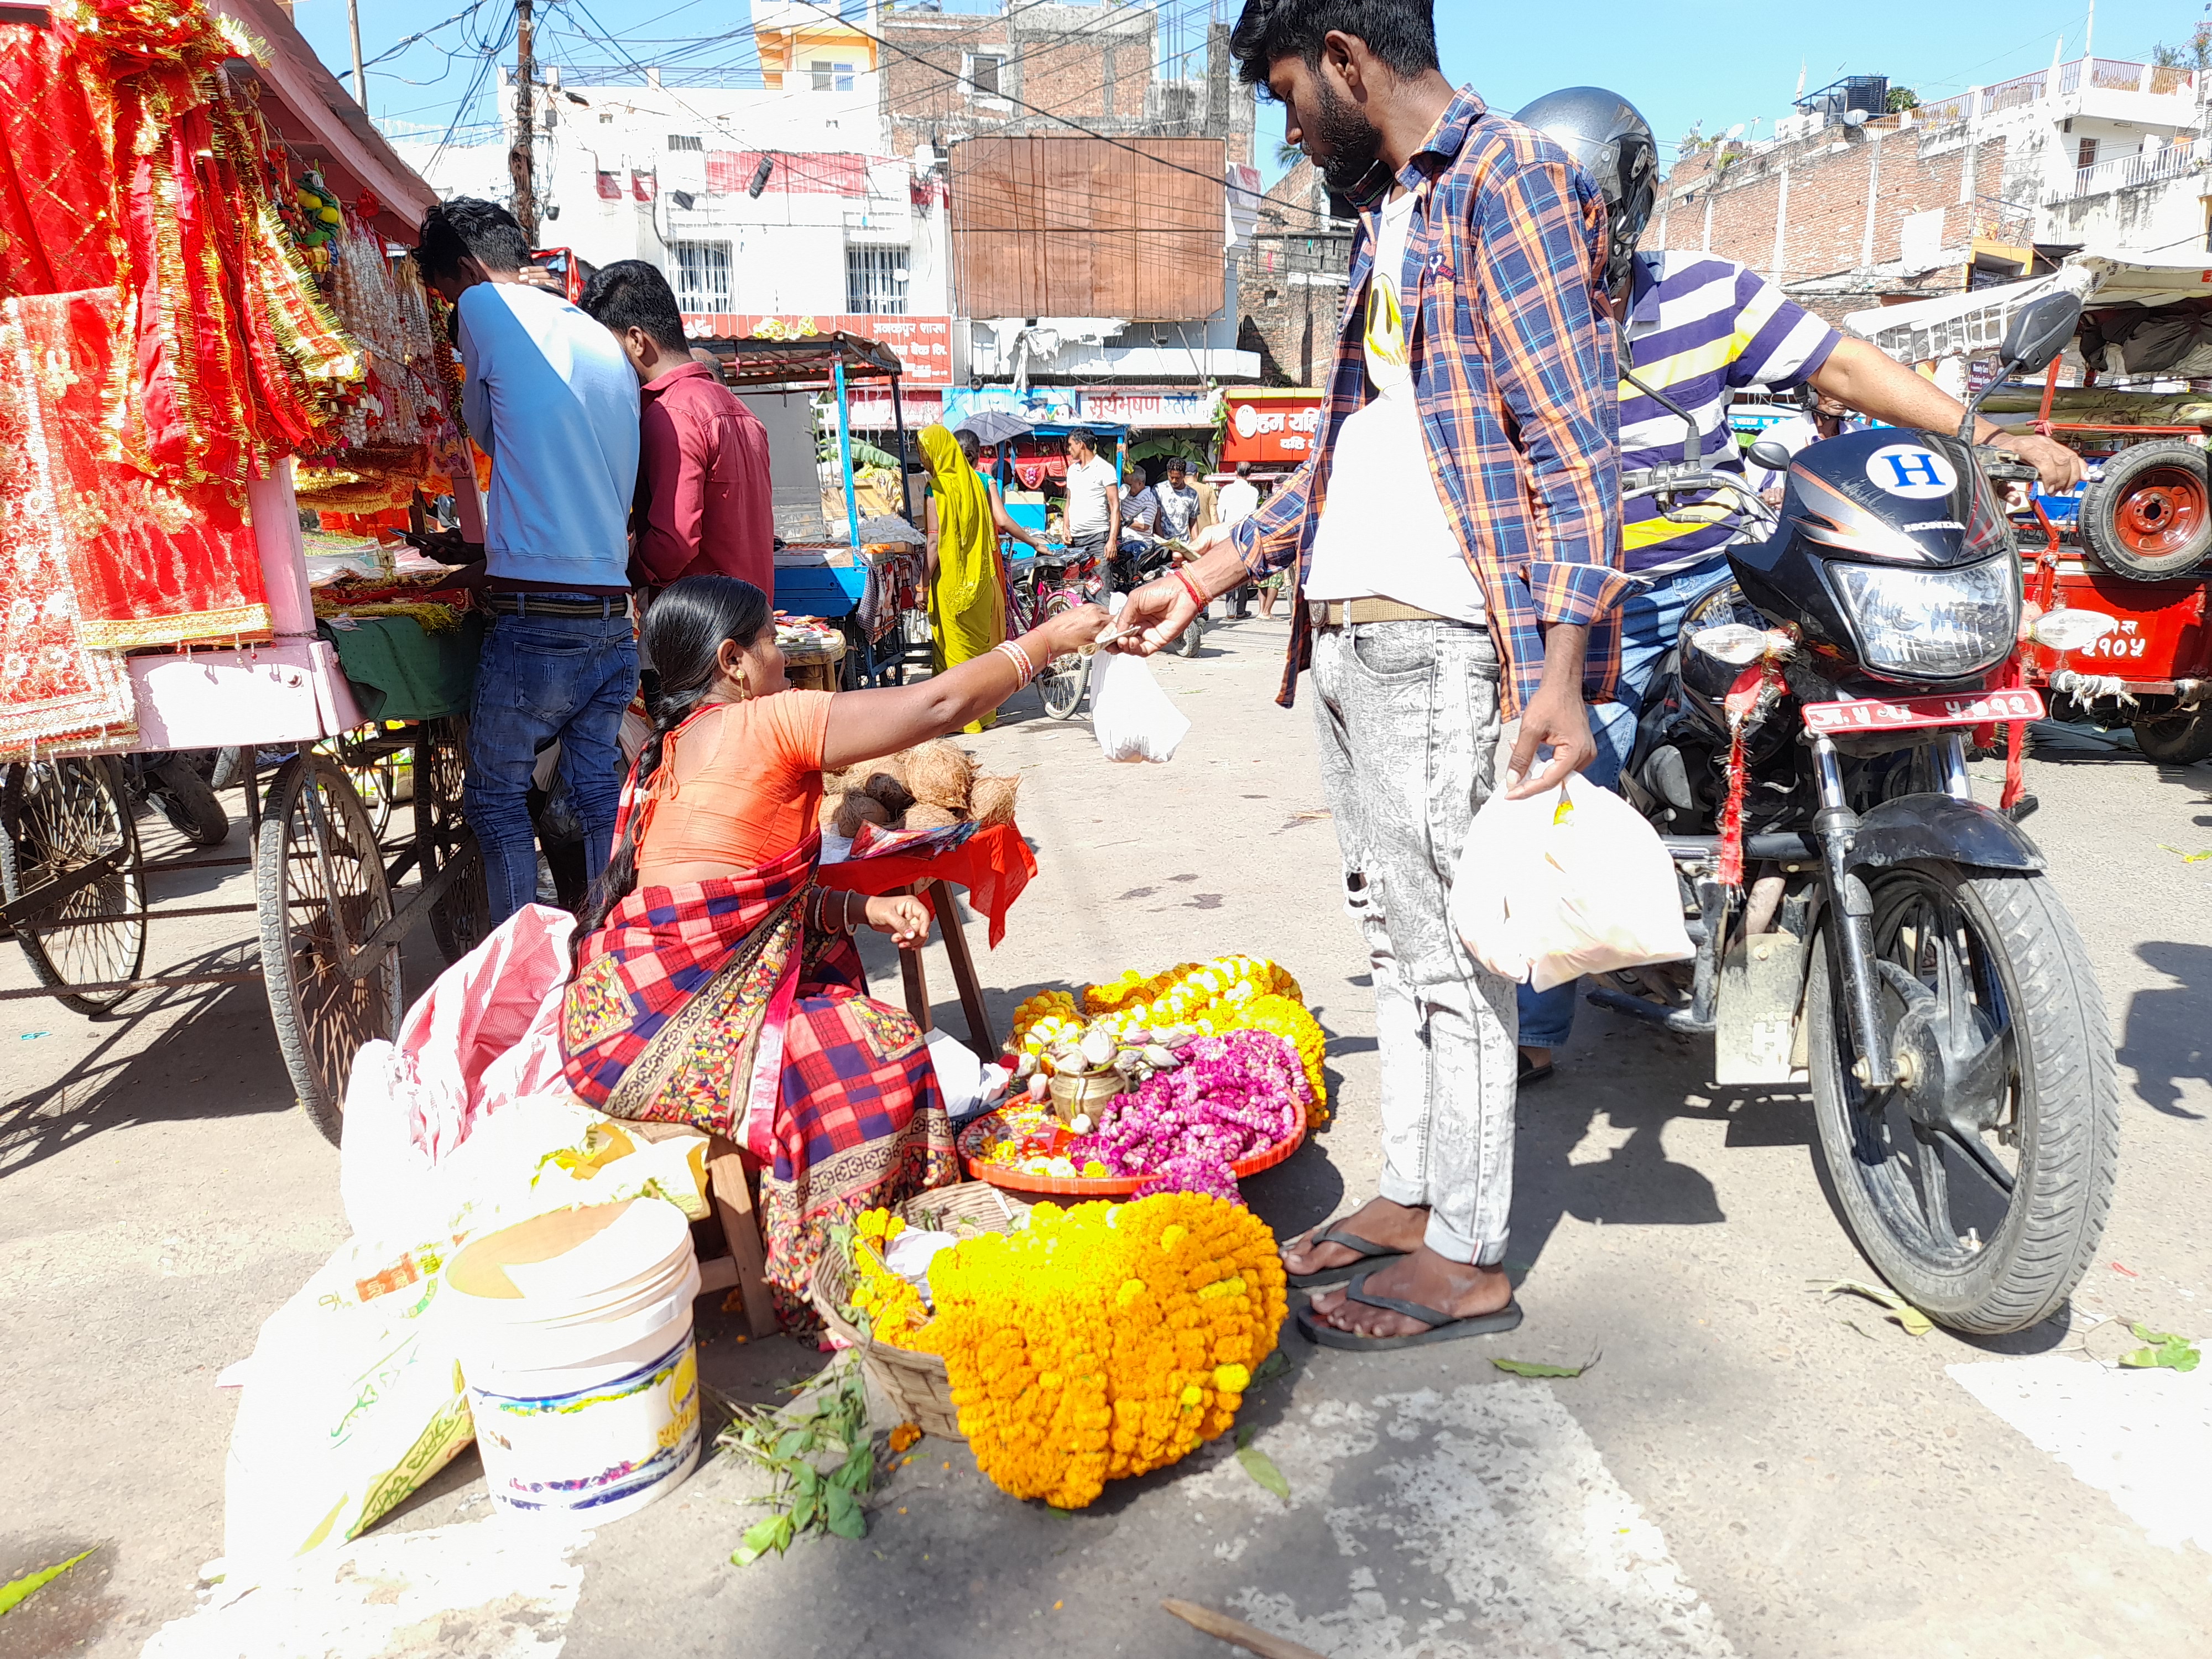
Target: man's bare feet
{"x":1535,"y":1059}
{"x":1393,"y":1227}
{"x":1458,"y":1288}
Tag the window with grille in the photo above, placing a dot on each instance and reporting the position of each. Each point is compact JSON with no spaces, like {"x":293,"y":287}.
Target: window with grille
{"x":983,"y":74}
{"x":686,"y":141}
{"x":702,"y":275}
{"x":875,"y":280}
{"x":832,"y":77}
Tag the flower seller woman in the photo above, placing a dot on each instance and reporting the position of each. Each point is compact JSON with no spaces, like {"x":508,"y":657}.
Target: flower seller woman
{"x":716,"y":985}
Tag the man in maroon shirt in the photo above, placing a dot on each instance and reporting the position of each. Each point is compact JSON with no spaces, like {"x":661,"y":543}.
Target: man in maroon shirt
{"x":704,"y":500}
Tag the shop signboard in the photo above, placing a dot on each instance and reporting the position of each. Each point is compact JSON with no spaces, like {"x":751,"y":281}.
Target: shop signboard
{"x":1043,"y":406}
{"x":924,"y":344}
{"x":1141,"y":409}
{"x":1271,"y":428}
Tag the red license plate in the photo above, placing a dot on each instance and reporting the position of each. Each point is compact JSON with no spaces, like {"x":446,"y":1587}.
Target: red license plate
{"x":1872,"y":714}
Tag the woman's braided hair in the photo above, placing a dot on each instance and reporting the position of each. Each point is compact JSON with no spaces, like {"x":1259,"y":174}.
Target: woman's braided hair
{"x":684,"y":634}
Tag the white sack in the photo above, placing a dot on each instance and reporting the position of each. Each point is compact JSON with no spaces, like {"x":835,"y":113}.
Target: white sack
{"x":1568,"y":882}
{"x":1133,"y":719}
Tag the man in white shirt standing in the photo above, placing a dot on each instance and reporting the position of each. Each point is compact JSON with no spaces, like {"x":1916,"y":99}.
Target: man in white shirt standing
{"x":552,"y":400}
{"x":1240,"y":496}
{"x":1094,"y":500}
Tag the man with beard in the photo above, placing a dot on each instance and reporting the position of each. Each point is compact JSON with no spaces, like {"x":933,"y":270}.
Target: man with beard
{"x":1454,"y":536}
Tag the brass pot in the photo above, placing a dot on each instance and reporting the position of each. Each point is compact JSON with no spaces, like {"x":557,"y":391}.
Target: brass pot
{"x":1079,"y":1094}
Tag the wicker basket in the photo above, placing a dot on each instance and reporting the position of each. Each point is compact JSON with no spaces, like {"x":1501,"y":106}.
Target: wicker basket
{"x":914,"y":1383}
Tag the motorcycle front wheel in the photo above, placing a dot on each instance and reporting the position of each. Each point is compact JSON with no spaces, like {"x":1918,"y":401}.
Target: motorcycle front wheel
{"x":1984,"y":1229}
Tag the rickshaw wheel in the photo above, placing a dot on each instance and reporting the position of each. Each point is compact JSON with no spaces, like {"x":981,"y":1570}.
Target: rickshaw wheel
{"x":2149,"y":517}
{"x":462,"y":914}
{"x":57,"y":816}
{"x":309,"y":884}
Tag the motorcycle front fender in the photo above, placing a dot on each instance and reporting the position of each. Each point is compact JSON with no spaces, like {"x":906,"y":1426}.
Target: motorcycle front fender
{"x":1943,"y":827}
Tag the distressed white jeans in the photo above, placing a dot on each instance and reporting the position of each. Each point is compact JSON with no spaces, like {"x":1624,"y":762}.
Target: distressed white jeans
{"x":1408,"y":720}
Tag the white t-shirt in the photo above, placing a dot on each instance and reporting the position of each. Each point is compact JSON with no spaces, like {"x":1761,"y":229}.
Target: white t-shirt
{"x":1239,"y":500}
{"x":1087,"y":488}
{"x":1383,"y":532}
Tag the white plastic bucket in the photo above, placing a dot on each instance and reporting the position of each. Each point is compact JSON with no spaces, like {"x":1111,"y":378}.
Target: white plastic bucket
{"x":576,"y":1346}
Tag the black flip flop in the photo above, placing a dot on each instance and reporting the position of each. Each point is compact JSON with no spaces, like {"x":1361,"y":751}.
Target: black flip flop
{"x":1371,"y":1255}
{"x":1529,"y":1073}
{"x":1443,"y":1327}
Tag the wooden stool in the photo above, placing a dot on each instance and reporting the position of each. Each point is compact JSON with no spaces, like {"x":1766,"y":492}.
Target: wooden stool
{"x":730,"y":1200}
{"x":963,"y":975}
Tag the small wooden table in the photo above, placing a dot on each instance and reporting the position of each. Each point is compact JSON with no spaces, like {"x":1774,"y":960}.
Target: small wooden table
{"x":814,"y":668}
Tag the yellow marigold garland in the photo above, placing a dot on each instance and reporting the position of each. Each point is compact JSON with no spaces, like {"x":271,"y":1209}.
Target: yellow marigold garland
{"x":1104,"y":1341}
{"x":893,"y":1306}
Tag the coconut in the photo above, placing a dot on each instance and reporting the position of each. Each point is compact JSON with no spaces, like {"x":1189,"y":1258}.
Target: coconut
{"x":991,"y":800}
{"x":939,"y":772}
{"x":858,"y":809}
{"x":827,"y":817}
{"x":889,"y":790}
{"x":922,"y":815}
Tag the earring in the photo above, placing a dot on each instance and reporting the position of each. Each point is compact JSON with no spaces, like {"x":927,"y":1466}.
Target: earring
{"x":745,"y":692}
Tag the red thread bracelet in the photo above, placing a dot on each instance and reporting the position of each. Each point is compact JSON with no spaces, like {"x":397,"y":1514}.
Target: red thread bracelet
{"x":1197,"y":594}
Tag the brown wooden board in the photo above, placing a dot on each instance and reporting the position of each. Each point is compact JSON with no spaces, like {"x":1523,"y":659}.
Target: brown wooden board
{"x":1089,"y":228}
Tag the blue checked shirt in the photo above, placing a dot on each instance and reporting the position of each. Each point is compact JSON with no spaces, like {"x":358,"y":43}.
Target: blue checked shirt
{"x":1514,"y":373}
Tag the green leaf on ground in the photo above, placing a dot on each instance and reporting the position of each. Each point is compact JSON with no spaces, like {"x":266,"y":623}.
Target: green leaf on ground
{"x":1533,"y":1368}
{"x":10,"y":1593}
{"x":1894,"y":1306}
{"x":1262,"y":1468}
{"x":763,"y":1536}
{"x":2167,"y":1352}
{"x":1274,"y":1365}
{"x":845,"y":1518}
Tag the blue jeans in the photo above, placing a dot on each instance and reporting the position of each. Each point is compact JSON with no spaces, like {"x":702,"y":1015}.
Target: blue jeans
{"x":1650,"y":619}
{"x":543,"y":679}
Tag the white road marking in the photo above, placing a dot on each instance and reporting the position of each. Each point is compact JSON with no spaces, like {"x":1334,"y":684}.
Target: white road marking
{"x":2143,"y":1437}
{"x":491,"y":1590}
{"x":1490,"y":1496}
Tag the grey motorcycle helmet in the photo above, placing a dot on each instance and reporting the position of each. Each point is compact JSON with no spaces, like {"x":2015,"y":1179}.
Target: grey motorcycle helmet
{"x":1610,"y":141}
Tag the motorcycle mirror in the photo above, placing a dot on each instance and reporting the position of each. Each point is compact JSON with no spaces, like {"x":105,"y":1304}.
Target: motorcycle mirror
{"x":2038,"y":332}
{"x":1770,"y":453}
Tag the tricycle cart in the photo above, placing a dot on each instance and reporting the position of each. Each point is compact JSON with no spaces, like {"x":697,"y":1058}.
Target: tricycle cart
{"x":876,"y":593}
{"x":2135,"y":543}
{"x":330,"y":910}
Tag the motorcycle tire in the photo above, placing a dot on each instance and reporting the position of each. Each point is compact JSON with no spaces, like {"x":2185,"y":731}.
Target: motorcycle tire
{"x":2149,"y":518}
{"x":2024,"y":959}
{"x":1193,"y":635}
{"x":2181,"y":739}
{"x":183,"y":797}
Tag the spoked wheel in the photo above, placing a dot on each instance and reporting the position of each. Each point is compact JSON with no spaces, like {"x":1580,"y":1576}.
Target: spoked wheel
{"x":322,"y":894}
{"x":1977,"y":1185}
{"x":57,"y":818}
{"x":1061,"y":682}
{"x":461,"y":915}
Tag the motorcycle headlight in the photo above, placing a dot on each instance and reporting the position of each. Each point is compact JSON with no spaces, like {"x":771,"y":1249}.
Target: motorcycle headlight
{"x":1931,"y":624}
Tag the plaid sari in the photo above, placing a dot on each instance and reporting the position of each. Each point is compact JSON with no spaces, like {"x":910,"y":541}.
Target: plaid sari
{"x":710,"y":1005}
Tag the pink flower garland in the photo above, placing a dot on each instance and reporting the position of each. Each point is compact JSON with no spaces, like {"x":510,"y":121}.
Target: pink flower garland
{"x":1233,"y":1096}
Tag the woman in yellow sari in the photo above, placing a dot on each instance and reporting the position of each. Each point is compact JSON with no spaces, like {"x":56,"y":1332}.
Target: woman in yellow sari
{"x":966,"y":602}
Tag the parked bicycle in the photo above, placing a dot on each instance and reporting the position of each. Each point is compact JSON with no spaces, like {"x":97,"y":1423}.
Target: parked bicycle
{"x":1040,"y":588}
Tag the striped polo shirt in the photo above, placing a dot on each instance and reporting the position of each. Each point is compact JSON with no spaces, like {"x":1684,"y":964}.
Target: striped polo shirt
{"x":1700,"y":329}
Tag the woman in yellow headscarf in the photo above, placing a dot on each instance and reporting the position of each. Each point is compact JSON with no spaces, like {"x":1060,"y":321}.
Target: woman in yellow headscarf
{"x":967,"y":605}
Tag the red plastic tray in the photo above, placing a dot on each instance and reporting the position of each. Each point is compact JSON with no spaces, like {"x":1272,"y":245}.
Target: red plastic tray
{"x":1021,"y":1181}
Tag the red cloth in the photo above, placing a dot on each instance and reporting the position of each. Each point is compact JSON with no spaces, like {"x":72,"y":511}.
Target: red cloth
{"x":58,"y":227}
{"x":995,"y":865}
{"x":705,"y":502}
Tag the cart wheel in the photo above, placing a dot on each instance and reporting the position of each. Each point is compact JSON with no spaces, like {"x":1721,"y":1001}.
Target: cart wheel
{"x":57,"y":816}
{"x":462,"y":915}
{"x":318,"y":870}
{"x":1062,"y":680}
{"x":2181,"y":739}
{"x":2149,"y":517}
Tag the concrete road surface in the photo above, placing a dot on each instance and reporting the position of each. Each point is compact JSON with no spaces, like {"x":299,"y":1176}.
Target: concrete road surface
{"x":1749,"y":1468}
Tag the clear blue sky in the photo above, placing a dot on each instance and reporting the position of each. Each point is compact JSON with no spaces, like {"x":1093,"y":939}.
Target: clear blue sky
{"x":1718,"y":61}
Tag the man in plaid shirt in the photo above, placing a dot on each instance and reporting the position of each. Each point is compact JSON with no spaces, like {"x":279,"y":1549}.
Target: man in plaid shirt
{"x":1455,"y":537}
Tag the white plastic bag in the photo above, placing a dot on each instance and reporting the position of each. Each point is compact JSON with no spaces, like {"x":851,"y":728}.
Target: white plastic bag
{"x":1133,"y":719}
{"x":1569,"y":882}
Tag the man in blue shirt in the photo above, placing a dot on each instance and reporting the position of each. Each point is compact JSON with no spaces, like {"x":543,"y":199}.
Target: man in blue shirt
{"x":551,"y":399}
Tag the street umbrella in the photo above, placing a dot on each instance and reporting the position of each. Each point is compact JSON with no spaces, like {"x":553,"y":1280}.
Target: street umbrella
{"x":994,"y":426}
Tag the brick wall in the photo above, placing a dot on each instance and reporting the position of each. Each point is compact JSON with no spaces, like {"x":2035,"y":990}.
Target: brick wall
{"x":1289,"y":307}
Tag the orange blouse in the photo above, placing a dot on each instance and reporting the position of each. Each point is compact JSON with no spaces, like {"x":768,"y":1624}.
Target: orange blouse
{"x":754,"y":798}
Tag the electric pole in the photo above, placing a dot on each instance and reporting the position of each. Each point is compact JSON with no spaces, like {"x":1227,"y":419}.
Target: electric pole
{"x":521,"y":159}
{"x":360,"y":76}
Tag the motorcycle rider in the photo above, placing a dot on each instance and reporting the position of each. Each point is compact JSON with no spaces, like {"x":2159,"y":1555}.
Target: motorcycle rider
{"x":1674,"y":310}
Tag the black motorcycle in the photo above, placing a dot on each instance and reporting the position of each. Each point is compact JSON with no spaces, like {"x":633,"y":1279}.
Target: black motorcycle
{"x":1861,"y":921}
{"x":1151,"y":558}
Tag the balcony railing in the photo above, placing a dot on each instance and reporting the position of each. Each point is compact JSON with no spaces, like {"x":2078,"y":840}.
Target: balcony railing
{"x":2176,"y":161}
{"x":2101,"y":74}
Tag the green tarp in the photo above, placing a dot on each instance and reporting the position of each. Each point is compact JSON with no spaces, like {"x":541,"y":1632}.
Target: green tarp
{"x":399,"y":673}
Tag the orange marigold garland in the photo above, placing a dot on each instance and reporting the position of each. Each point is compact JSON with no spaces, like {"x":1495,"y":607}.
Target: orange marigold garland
{"x":1104,"y":1341}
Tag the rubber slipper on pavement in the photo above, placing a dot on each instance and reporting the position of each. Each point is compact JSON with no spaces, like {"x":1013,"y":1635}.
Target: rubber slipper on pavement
{"x":1371,"y":1255}
{"x":1443,"y":1327}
